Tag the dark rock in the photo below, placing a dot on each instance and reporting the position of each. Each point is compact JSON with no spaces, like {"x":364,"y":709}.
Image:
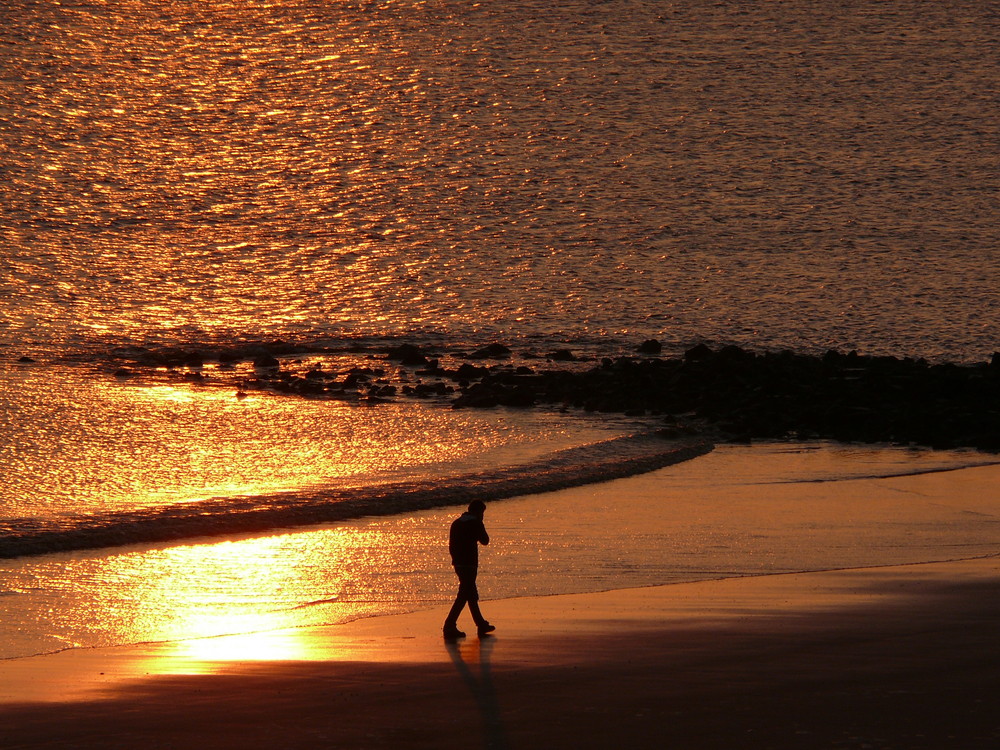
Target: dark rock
{"x":354,"y":378}
{"x":431,"y":389}
{"x":433,"y":368}
{"x":193,"y":359}
{"x":478,"y":396}
{"x":26,"y":360}
{"x":734,"y":354}
{"x":407,"y":355}
{"x":306,"y":387}
{"x":562,"y":355}
{"x":470,"y":372}
{"x":264,"y":361}
{"x":426,"y":390}
{"x":492,"y":351}
{"x":650,"y":346}
{"x":123,"y":373}
{"x":518,"y":396}
{"x":697,"y":353}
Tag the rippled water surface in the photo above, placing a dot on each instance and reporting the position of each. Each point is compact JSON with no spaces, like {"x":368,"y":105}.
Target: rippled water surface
{"x":778,"y":174}
{"x":91,"y":445}
{"x":782,"y":174}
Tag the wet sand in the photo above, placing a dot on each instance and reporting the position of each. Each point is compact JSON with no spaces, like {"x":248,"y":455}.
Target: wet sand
{"x":890,"y":657}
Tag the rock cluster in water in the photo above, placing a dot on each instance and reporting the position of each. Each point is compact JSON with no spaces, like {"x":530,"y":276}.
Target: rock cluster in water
{"x":735,"y":393}
{"x":777,"y":395}
{"x":781,"y":395}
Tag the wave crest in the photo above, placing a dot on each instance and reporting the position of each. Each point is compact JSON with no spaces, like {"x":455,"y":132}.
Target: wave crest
{"x":598,"y":462}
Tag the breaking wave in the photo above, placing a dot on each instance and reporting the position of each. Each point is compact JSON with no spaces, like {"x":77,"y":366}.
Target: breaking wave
{"x":598,"y":462}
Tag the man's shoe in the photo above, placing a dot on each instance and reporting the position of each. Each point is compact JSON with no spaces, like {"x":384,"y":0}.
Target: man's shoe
{"x":453,"y":633}
{"x":486,"y":628}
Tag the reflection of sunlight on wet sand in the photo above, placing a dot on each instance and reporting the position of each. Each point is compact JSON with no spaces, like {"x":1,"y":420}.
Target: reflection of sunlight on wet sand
{"x":204,"y":655}
{"x":236,"y":589}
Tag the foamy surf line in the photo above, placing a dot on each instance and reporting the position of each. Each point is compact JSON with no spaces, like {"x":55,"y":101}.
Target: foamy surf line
{"x":598,"y":462}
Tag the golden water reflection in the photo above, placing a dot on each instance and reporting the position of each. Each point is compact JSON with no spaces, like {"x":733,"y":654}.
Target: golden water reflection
{"x":250,"y":600}
{"x":75,"y":443}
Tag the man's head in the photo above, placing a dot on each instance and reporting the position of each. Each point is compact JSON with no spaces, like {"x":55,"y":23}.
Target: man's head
{"x":477,"y":508}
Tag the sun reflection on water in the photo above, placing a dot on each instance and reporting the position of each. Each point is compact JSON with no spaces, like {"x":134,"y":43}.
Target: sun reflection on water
{"x":76,"y":443}
{"x":244,"y":600}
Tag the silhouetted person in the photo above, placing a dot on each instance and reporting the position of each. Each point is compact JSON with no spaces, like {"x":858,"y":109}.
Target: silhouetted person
{"x":467,"y":533}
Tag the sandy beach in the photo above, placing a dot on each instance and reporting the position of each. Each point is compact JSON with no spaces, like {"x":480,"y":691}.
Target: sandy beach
{"x":890,"y":657}
{"x":889,"y":641}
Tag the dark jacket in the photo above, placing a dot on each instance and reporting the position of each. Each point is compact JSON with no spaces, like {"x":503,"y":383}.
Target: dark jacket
{"x":467,"y":533}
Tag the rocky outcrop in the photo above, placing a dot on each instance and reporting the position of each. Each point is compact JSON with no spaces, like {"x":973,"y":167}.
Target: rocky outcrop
{"x":746,"y":395}
{"x":782,"y":395}
{"x":735,"y":393}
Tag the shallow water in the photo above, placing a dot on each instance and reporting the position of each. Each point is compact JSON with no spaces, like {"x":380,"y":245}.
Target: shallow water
{"x":738,"y":511}
{"x":79,"y":444}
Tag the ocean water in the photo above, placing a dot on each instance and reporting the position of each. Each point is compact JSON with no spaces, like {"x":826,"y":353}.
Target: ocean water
{"x":546,"y":174}
{"x":774,"y":174}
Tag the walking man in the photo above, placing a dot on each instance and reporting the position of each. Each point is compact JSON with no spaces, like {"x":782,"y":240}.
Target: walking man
{"x":467,"y":533}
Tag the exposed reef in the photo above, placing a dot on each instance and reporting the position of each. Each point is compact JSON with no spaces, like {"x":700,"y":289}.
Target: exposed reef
{"x":733,"y":393}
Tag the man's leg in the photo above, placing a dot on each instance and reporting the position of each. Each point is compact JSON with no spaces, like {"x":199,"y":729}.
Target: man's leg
{"x":451,"y":622}
{"x":461,"y":599}
{"x":477,"y":616}
{"x":467,"y":576}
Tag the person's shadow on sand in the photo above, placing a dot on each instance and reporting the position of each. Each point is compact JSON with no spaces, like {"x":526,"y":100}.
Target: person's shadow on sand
{"x":482,"y":686}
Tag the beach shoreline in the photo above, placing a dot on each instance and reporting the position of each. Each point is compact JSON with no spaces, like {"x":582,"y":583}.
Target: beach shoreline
{"x":898,"y":656}
{"x":735,"y":511}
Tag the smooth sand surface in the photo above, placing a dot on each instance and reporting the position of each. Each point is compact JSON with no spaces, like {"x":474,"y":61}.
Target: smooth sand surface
{"x":893,"y":657}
